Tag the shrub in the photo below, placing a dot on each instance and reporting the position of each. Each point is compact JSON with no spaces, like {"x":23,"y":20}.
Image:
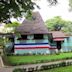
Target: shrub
{"x":55,"y":65}
{"x":31,"y":69}
{"x":9,"y":54}
{"x":19,"y":70}
{"x":36,"y":68}
{"x":44,"y":67}
{"x":68,"y":63}
{"x":62,"y":64}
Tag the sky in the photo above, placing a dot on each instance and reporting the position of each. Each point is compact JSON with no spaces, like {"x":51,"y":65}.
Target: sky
{"x":48,"y":12}
{"x":61,"y":9}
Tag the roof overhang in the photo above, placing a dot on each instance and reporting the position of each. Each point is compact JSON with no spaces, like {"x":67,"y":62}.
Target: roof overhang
{"x":58,"y":39}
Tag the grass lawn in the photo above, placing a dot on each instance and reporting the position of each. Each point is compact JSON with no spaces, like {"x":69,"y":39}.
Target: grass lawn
{"x":36,"y":58}
{"x":61,"y":69}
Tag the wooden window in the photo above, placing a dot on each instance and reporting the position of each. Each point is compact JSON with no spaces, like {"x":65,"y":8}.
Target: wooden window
{"x":38,"y":36}
{"x":24,"y":36}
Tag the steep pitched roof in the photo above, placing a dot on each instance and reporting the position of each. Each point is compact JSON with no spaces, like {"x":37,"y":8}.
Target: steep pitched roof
{"x":34,"y":26}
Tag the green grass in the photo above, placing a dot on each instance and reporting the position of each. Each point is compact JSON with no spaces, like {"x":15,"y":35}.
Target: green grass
{"x":60,"y":69}
{"x":36,"y":58}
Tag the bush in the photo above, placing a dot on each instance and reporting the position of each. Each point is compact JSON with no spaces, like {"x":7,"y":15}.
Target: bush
{"x":44,"y":67}
{"x":19,"y":70}
{"x":62,"y":64}
{"x":55,"y":65}
{"x":31,"y":69}
{"x":10,"y":54}
{"x":68,"y":63}
{"x":36,"y":68}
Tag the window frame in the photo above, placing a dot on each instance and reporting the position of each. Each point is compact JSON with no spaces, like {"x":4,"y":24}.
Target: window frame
{"x":41,"y":36}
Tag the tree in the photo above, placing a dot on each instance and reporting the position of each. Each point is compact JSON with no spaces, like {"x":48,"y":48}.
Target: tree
{"x":15,"y":8}
{"x":68,"y":28}
{"x":58,"y":24}
{"x":18,"y":8}
{"x":53,"y":2}
{"x":55,"y":24}
{"x":70,"y":4}
{"x":8,"y":41}
{"x":11,"y":27}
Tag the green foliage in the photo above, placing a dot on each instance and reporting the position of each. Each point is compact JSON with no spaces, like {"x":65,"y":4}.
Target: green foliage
{"x":13,"y":24}
{"x":19,"y":60}
{"x":15,"y":8}
{"x":70,"y":4}
{"x":18,"y":70}
{"x":55,"y":24}
{"x":1,"y":41}
{"x":60,"y":69}
{"x":58,"y":24}
{"x":67,"y":28}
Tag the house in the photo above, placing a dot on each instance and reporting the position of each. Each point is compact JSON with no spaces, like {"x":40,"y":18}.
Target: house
{"x":33,"y":36}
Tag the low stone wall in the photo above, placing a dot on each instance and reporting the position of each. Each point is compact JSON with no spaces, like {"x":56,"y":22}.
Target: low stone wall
{"x":44,"y":66}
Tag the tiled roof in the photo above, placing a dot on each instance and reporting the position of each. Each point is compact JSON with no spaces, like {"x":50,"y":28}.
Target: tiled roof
{"x":58,"y":34}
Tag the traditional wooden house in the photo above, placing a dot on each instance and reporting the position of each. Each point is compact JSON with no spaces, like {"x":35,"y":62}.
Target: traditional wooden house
{"x":33,"y":36}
